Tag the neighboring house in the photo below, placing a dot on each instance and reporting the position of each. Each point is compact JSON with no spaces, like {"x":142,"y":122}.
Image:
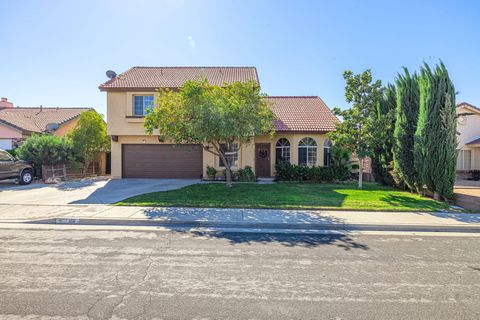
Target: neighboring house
{"x":301,"y":125}
{"x":468,"y":126}
{"x":17,"y":124}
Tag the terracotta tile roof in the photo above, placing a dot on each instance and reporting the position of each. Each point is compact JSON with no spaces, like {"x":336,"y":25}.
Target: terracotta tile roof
{"x":174,"y":77}
{"x":302,"y":113}
{"x":36,"y":119}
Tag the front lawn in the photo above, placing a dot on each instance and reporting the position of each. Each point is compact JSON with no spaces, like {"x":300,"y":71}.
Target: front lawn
{"x":289,"y":196}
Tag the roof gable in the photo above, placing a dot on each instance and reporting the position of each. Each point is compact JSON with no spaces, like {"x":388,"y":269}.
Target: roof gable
{"x":301,"y":114}
{"x":174,"y":77}
{"x":468,"y":106}
{"x":36,"y":119}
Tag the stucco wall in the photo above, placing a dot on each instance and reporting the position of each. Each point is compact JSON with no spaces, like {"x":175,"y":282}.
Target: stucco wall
{"x":469,"y":129}
{"x":6,"y":132}
{"x":130,"y":130}
{"x":66,"y":127}
{"x":246,"y":156}
{"x":119,"y":109}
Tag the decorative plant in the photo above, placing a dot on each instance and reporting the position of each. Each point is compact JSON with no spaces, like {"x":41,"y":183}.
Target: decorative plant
{"x":245,"y":175}
{"x":211,"y":172}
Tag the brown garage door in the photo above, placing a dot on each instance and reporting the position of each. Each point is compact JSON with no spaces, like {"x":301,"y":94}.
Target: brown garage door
{"x":161,"y":161}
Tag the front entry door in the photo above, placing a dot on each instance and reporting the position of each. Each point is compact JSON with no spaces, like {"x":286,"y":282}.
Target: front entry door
{"x":262,"y":159}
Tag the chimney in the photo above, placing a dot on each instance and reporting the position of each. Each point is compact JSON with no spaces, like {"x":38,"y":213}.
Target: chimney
{"x":5,"y":104}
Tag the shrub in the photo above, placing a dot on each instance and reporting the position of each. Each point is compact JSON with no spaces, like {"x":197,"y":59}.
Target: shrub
{"x":45,"y":150}
{"x":245,"y":175}
{"x":285,"y":171}
{"x":211,"y":171}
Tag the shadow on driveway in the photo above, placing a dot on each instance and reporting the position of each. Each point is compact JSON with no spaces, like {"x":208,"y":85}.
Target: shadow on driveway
{"x":86,"y":191}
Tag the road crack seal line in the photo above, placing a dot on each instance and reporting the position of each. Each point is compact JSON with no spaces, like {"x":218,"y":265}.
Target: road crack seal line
{"x":108,"y":293}
{"x":133,"y":286}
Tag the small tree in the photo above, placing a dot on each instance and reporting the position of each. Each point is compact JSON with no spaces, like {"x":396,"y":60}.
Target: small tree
{"x":89,"y":138}
{"x":356,"y":132}
{"x":45,"y":150}
{"x":408,"y":101}
{"x":435,"y":137}
{"x":216,"y":117}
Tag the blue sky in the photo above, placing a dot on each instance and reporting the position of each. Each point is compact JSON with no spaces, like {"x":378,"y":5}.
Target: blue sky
{"x":55,"y":53}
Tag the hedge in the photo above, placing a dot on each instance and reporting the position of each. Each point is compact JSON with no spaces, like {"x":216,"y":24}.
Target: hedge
{"x":286,"y":171}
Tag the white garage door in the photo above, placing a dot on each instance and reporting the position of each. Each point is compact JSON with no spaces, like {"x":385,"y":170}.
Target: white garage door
{"x":6,"y":144}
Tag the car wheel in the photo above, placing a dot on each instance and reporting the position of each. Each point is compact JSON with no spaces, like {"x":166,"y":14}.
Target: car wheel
{"x":26,"y":177}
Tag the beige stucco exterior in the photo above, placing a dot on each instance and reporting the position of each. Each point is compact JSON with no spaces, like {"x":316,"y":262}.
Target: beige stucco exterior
{"x":469,"y":129}
{"x":129,"y":130}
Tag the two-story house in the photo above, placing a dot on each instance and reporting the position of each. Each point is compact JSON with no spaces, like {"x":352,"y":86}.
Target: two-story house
{"x":301,"y":125}
{"x":468,"y":125}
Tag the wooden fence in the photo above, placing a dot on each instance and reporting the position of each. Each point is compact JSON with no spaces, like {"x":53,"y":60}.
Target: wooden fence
{"x":67,"y":172}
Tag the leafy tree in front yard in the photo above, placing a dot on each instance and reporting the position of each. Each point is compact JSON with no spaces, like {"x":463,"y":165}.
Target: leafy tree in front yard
{"x":45,"y":150}
{"x":216,"y":117}
{"x":408,"y":100}
{"x":89,"y":138}
{"x":435,"y":136}
{"x":356,"y":131}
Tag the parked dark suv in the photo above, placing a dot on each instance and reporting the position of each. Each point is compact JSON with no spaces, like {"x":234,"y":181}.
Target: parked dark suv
{"x":11,"y":168}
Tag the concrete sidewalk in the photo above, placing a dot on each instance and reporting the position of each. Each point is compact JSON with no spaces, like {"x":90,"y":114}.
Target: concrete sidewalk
{"x":243,"y":218}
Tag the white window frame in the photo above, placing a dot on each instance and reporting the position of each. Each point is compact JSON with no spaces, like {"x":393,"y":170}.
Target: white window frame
{"x":234,"y":156}
{"x":283,"y":144}
{"x":311,"y":147}
{"x":327,"y":152}
{"x":143,"y":103}
{"x":462,"y":164}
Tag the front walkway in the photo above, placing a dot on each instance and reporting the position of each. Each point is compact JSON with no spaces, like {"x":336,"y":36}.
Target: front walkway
{"x":87,"y":191}
{"x":211,"y":217}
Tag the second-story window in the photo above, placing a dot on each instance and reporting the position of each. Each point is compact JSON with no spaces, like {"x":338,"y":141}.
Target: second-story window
{"x":141,"y":104}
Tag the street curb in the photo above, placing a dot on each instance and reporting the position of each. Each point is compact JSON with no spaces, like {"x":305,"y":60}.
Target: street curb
{"x":257,"y":225}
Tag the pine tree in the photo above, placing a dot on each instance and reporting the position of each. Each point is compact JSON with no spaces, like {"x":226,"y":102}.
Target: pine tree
{"x":435,"y":137}
{"x":405,"y":127}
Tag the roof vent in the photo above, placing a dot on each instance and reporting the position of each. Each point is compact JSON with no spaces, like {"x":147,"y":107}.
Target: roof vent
{"x":111,"y":74}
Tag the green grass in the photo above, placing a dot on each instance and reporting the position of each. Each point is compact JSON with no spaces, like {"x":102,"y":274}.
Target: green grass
{"x":289,"y":196}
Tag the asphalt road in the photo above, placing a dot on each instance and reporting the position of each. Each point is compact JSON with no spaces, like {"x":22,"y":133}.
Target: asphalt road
{"x":76,"y":274}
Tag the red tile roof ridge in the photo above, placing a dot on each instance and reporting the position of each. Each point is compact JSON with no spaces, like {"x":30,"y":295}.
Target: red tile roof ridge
{"x":42,"y":107}
{"x":296,"y":97}
{"x":193,"y":67}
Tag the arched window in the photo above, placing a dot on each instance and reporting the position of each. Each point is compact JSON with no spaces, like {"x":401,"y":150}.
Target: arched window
{"x":282,"y":150}
{"x":327,"y":155}
{"x":307,"y":152}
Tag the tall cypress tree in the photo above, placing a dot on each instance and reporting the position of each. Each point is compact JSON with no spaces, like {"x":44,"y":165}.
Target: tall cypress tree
{"x":405,"y":126}
{"x":435,"y":137}
{"x":382,"y":157}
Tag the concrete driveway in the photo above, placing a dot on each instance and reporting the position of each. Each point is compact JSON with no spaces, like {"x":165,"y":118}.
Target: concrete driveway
{"x":467,"y":194}
{"x":89,"y":191}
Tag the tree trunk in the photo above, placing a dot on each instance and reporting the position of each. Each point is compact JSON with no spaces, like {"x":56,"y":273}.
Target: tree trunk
{"x":436,"y":196}
{"x":360,"y":173}
{"x":228,"y":177}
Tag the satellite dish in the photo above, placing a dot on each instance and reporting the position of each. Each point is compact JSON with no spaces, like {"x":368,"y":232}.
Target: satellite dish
{"x":111,"y":74}
{"x":51,"y":127}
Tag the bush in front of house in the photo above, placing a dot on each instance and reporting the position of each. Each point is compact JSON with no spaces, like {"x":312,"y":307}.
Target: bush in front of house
{"x":45,"y":150}
{"x":285,"y":171}
{"x":245,"y":175}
